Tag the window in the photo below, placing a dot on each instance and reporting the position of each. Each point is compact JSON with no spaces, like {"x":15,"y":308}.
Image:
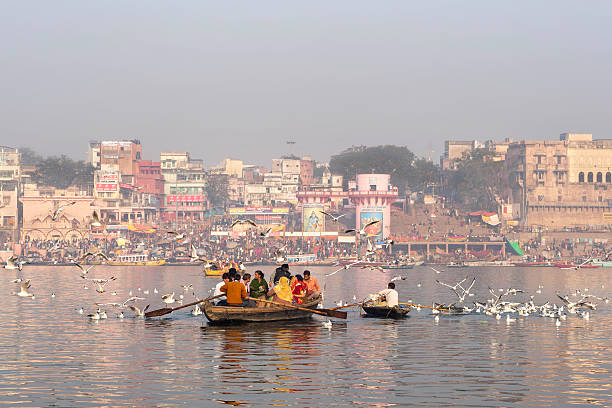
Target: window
{"x":599,"y":177}
{"x":558,"y":159}
{"x":590,"y":177}
{"x":608,"y":177}
{"x":581,"y":177}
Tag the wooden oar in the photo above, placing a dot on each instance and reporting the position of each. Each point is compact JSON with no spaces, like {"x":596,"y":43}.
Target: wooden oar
{"x":352,"y":304}
{"x":166,"y":310}
{"x":428,"y":307}
{"x":322,"y":312}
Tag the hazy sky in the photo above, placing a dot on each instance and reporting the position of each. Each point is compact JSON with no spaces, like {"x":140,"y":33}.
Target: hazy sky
{"x":240,"y":78}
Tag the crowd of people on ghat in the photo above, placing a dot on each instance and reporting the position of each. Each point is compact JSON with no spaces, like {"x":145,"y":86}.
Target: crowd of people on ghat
{"x":283,"y":288}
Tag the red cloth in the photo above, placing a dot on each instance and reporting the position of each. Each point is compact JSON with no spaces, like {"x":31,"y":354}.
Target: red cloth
{"x":299,"y":288}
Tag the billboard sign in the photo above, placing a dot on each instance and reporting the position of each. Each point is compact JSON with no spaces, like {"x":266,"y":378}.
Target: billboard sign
{"x":106,"y":186}
{"x":313,"y":220}
{"x":375,"y":230}
{"x":258,"y":210}
{"x":184,"y":198}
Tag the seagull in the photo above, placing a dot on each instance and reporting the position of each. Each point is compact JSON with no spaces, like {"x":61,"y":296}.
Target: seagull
{"x":13,"y":263}
{"x":187,"y":287}
{"x":373,"y":268}
{"x":244,"y":221}
{"x":362,"y":231}
{"x":83,"y":270}
{"x":196,"y":310}
{"x":80,"y":310}
{"x":167,"y":299}
{"x":265,"y":233}
{"x":101,"y":283}
{"x":194,"y":257}
{"x":177,"y":236}
{"x":388,"y":242}
{"x":94,"y":316}
{"x":557,"y":323}
{"x":327,"y":324}
{"x":95,"y":220}
{"x":437,"y":319}
{"x":23,"y":291}
{"x":139,"y":313}
{"x":95,"y":255}
{"x":59,"y":209}
{"x":509,"y":320}
{"x":435,"y":270}
{"x":155,"y":290}
{"x":343,"y":268}
{"x":334,"y":219}
{"x":398,"y":278}
{"x":370,"y":249}
{"x":120,"y":316}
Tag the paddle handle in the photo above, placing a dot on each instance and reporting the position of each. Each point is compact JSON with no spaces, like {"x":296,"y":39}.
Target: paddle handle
{"x":289,"y":305}
{"x":199,"y":301}
{"x":428,"y":307}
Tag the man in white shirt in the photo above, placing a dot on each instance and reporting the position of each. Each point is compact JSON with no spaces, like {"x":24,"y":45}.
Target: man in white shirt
{"x":389,"y":295}
{"x":224,"y":280}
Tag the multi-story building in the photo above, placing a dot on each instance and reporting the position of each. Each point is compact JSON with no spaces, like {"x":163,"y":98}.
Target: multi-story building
{"x":184,"y":187}
{"x":149,"y":182}
{"x":10,"y":176}
{"x":563,"y":183}
{"x":94,"y":154}
{"x":231,"y":167}
{"x":306,"y":171}
{"x":39,"y":203}
{"x":123,"y":154}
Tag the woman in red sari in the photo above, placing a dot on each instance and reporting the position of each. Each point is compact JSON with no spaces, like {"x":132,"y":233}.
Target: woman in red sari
{"x":299,"y":290}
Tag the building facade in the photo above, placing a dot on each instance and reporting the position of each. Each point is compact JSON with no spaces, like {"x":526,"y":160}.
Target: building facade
{"x":561,"y":184}
{"x":10,"y":176}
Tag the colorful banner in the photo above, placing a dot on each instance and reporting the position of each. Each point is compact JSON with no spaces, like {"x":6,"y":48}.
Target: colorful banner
{"x":259,"y":210}
{"x":375,"y":230}
{"x":312,"y":219}
{"x":185,"y":198}
{"x":106,"y":187}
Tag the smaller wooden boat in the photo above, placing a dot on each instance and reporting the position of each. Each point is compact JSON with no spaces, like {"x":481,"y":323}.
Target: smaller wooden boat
{"x":238,"y":315}
{"x":399,"y":266}
{"x":456,"y":265}
{"x":386,"y":312}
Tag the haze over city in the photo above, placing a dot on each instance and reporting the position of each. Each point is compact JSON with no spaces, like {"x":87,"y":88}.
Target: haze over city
{"x":240,"y":79}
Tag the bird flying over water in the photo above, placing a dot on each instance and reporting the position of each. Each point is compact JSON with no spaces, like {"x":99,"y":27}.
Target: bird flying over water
{"x":14,"y":263}
{"x":244,"y":221}
{"x":95,"y":220}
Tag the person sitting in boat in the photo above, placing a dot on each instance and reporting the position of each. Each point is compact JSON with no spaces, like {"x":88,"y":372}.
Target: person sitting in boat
{"x":259,"y":286}
{"x":235,"y":293}
{"x":280,"y":272}
{"x":224,"y":280}
{"x":299,"y":289}
{"x":313,"y":288}
{"x":246,"y":281}
{"x":281,"y":292}
{"x":388,"y":297}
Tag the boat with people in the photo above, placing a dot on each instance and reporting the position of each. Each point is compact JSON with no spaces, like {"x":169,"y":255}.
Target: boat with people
{"x":132,"y":260}
{"x":217,"y":269}
{"x":603,"y":263}
{"x":386,"y":312}
{"x":271,"y":313}
{"x":399,"y":265}
{"x":456,"y":265}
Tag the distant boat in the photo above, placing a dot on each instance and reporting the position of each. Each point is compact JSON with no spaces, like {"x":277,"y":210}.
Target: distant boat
{"x":605,"y":264}
{"x":135,"y":260}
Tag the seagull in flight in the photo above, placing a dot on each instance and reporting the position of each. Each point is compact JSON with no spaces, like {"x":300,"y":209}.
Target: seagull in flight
{"x":95,"y":220}
{"x":95,"y":255}
{"x":139,"y":313}
{"x":82,"y":268}
{"x":14,"y":263}
{"x":345,"y":267}
{"x":194,"y":257}
{"x":23,"y":292}
{"x":177,"y":236}
{"x":362,"y":231}
{"x":244,"y":221}
{"x":265,"y":233}
{"x":101,"y":283}
{"x":373,"y":268}
{"x":59,"y":209}
{"x":167,"y":299}
{"x":334,"y":219}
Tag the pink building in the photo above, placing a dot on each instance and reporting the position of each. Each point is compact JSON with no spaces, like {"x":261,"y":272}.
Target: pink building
{"x":373,"y":197}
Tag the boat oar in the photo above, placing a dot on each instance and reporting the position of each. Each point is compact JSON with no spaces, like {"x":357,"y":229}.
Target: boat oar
{"x":352,"y":304}
{"x":322,"y":312}
{"x":166,"y":310}
{"x":428,"y":307}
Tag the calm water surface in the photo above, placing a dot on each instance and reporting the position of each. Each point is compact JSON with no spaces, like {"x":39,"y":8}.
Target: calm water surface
{"x":52,"y":356}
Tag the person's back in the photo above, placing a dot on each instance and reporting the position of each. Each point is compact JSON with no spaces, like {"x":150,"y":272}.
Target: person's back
{"x":235,"y":292}
{"x":391,"y":295}
{"x":280,"y":272}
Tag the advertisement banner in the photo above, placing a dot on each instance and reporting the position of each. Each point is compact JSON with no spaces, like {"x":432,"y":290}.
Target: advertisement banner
{"x":258,"y":210}
{"x":375,"y":230}
{"x":185,"y":198}
{"x":313,"y":220}
{"x":106,"y":187}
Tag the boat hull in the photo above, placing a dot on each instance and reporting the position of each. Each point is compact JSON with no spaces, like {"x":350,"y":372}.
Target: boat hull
{"x":386,"y":312}
{"x":240,"y":315}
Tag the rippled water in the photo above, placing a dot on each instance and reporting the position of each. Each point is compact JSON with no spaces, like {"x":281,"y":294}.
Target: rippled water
{"x":52,"y":356}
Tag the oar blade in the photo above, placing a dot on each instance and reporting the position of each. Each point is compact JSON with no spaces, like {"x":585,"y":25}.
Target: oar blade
{"x":159,"y":312}
{"x":334,"y":313}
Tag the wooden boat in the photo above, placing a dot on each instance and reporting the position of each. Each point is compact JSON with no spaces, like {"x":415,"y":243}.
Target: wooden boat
{"x":386,"y":312}
{"x":133,"y":260}
{"x":576,"y":266}
{"x":456,"y":265}
{"x":399,"y":266}
{"x":237,"y":315}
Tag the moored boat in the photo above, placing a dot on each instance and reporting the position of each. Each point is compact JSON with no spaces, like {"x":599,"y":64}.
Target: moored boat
{"x":399,"y":266}
{"x":604,"y":263}
{"x":133,"y":260}
{"x":576,"y":266}
{"x":386,"y":312}
{"x":237,"y":315}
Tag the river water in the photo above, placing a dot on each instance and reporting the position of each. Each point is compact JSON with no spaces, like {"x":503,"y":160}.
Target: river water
{"x":50,"y":355}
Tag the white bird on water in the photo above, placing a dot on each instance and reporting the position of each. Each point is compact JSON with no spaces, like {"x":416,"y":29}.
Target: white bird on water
{"x":557,"y":323}
{"x":139,"y":313}
{"x":196,"y":310}
{"x":327,"y":324}
{"x":168,"y":299}
{"x":437,"y":319}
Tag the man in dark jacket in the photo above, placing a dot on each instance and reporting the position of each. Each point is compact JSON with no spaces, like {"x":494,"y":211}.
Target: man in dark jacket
{"x":280,"y":272}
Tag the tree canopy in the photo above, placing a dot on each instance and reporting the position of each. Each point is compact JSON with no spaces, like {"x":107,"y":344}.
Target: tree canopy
{"x":406,"y":169}
{"x":59,"y":172}
{"x":477,"y":181}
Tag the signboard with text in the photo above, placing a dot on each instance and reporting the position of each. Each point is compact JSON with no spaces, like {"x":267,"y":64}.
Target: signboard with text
{"x":106,"y":186}
{"x":185,"y":198}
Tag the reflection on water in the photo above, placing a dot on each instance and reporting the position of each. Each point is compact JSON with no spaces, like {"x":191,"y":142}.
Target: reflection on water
{"x":51,"y":355}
